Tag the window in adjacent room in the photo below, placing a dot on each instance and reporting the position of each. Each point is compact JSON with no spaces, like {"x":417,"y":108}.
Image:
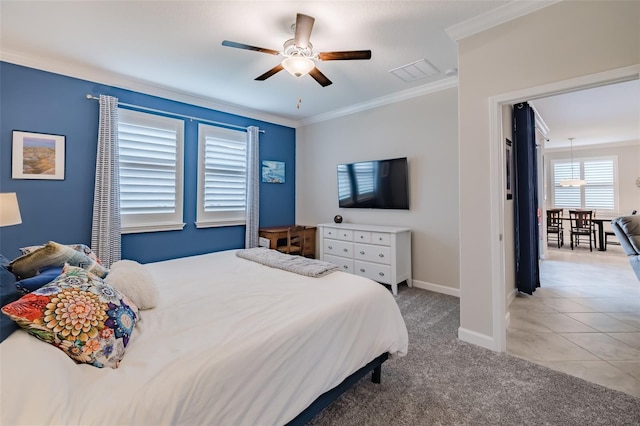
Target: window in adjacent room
{"x":600,"y":191}
{"x":222,"y":176}
{"x":151,"y":171}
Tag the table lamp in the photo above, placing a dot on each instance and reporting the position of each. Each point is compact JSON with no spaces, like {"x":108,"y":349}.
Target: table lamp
{"x":9,"y":210}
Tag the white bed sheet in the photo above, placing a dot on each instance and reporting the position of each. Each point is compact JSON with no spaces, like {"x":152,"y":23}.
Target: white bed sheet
{"x":232,"y":342}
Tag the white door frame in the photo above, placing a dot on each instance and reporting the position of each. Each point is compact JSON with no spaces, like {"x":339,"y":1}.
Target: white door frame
{"x":497,"y":167}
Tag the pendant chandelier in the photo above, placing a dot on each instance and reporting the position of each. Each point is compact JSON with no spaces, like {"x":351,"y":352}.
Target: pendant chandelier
{"x":573,"y":181}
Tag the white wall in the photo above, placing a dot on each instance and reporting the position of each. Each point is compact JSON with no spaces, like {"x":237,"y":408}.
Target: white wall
{"x":424,"y":129}
{"x":560,"y":42}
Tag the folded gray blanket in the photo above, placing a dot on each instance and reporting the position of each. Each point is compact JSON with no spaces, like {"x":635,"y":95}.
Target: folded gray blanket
{"x":296,"y":264}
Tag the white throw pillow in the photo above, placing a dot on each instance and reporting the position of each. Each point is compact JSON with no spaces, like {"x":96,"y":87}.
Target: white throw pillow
{"x":133,"y":280}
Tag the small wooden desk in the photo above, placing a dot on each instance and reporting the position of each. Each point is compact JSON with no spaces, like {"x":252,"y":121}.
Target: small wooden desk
{"x":275,"y":233}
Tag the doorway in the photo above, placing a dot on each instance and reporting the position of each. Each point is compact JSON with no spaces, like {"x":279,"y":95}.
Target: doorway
{"x":501,"y":294}
{"x":578,"y":330}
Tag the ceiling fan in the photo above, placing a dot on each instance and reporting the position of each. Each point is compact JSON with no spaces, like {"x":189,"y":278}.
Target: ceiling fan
{"x":298,"y":53}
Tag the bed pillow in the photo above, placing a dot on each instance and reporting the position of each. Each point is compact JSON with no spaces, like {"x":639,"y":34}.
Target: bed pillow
{"x":81,"y":315}
{"x":54,"y":254}
{"x":83,"y":248}
{"x":45,"y":276}
{"x":8,"y":293}
{"x":131,"y":278}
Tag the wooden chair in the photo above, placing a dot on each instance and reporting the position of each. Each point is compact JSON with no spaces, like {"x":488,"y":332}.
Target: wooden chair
{"x":582,"y":225}
{"x":555,"y":226}
{"x":295,"y":242}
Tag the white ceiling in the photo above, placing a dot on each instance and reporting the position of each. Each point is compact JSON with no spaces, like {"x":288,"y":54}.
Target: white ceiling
{"x":173,"y":49}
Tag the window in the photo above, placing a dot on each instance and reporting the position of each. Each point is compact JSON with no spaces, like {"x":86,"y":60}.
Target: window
{"x":150,"y":171}
{"x":222,"y":176}
{"x":600,"y":190}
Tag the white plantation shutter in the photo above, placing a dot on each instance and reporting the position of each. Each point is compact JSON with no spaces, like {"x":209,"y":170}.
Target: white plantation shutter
{"x":599,"y":193}
{"x":600,"y":190}
{"x":222,"y":176}
{"x":150,"y":171}
{"x":566,"y":196}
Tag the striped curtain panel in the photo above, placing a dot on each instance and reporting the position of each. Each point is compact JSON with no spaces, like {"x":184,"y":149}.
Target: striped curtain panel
{"x":253,"y":188}
{"x":105,"y":232}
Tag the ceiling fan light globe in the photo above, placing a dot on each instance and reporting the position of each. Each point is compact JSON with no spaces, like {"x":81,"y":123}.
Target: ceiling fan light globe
{"x":298,"y":65}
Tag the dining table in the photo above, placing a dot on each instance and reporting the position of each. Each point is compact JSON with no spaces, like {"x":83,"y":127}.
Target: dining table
{"x":599,"y":221}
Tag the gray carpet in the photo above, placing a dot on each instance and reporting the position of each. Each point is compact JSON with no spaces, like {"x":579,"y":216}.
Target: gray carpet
{"x":444,"y":381}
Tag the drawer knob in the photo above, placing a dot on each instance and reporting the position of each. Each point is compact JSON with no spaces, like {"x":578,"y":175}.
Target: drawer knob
{"x":345,"y":250}
{"x":361,"y":236}
{"x":361,"y":251}
{"x":381,"y":255}
{"x":345,"y":266}
{"x":361,"y":269}
{"x":330,"y":247}
{"x":381,"y":274}
{"x":344,"y":235}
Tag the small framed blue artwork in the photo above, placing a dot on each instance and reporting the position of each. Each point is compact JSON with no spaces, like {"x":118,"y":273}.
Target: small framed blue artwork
{"x":272,"y":171}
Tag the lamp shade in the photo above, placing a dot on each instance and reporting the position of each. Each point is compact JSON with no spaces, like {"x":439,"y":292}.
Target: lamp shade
{"x":298,"y":65}
{"x":9,"y":210}
{"x":573,"y":182}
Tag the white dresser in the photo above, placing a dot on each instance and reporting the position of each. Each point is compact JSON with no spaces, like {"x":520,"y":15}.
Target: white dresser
{"x":381,"y":253}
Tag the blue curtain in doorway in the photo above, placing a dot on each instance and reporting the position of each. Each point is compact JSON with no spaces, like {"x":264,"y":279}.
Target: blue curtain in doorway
{"x":525,"y":199}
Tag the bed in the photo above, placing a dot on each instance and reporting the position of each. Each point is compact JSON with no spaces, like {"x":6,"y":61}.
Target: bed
{"x":231,"y":342}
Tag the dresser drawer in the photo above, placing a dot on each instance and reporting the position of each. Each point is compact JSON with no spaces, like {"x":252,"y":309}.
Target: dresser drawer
{"x":338,"y":248}
{"x":381,"y":238}
{"x":346,"y":265}
{"x":338,"y":234}
{"x":371,"y":253}
{"x":376,"y":272}
{"x":362,"y":236}
{"x":330,"y":232}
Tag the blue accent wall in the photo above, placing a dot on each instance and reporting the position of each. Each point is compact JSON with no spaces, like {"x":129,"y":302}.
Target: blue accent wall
{"x":61,"y":210}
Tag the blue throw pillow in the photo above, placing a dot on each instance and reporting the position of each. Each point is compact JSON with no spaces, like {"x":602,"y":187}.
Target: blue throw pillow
{"x":45,"y":276}
{"x":8,"y":293}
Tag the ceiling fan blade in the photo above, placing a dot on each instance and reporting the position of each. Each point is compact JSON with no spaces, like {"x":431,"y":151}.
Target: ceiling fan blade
{"x":319,"y":77}
{"x":247,"y":47}
{"x":304,"y":25}
{"x":346,"y":55}
{"x":269,"y":73}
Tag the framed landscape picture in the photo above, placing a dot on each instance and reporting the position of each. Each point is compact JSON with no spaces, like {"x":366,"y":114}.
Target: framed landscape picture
{"x":37,"y":156}
{"x":273,"y":171}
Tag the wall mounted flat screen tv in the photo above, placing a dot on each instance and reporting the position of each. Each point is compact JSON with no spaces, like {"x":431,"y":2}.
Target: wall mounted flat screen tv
{"x":381,"y":184}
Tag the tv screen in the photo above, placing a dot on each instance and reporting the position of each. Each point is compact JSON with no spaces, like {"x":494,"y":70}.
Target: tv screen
{"x":381,"y":184}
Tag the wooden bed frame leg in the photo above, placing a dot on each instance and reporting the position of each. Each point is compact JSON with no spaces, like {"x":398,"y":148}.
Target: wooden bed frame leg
{"x":375,"y":375}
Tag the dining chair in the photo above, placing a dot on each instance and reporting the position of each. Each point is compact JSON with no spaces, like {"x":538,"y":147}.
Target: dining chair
{"x":582,"y":225}
{"x":555,"y":226}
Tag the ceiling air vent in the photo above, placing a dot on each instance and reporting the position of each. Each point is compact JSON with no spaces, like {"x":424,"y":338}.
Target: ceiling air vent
{"x":415,"y":70}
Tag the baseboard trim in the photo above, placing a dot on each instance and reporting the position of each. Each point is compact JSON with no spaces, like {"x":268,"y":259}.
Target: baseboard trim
{"x":507,"y":319}
{"x":437,"y":288}
{"x":476,"y":338}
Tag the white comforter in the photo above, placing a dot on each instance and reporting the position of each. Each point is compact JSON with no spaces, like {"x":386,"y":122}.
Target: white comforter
{"x":232,"y":342}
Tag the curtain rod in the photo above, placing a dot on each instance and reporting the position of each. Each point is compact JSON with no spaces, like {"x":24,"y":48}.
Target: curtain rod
{"x":203,"y":120}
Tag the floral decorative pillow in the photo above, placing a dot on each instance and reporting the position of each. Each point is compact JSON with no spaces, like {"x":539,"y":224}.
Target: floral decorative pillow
{"x":54,"y":254}
{"x":81,"y":315}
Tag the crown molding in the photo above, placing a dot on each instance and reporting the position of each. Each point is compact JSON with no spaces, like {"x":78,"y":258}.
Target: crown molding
{"x":414,"y":92}
{"x":93,"y":74}
{"x":495,"y":17}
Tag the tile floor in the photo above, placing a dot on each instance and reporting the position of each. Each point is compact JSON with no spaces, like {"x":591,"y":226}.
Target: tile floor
{"x":584,"y":320}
